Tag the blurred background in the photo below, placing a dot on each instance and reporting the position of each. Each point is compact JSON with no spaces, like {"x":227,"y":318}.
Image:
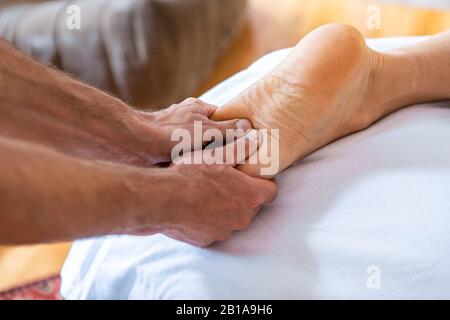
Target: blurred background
{"x":195,"y":44}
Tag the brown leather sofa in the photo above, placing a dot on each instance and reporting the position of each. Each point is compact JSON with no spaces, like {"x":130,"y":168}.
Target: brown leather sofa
{"x":150,"y":53}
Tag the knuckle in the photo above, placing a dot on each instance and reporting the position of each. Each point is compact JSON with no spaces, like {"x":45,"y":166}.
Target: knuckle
{"x":193,"y":102}
{"x":190,"y":100}
{"x":257,"y":199}
{"x":201,"y":242}
{"x":173,"y":107}
{"x":245,"y":222}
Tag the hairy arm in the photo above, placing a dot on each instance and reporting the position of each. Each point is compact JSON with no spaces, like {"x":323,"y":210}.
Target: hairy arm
{"x":42,"y":105}
{"x":49,"y":196}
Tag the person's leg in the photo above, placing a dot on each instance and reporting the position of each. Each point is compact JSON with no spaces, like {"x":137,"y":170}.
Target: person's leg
{"x":332,"y":85}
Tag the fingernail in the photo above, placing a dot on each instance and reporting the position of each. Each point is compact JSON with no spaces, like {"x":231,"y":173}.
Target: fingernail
{"x":243,"y":124}
{"x":253,"y":135}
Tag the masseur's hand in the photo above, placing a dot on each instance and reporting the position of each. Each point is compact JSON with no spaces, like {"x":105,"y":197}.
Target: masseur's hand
{"x":154,"y":130}
{"x":71,"y":117}
{"x":48,"y":196}
{"x":206,"y":203}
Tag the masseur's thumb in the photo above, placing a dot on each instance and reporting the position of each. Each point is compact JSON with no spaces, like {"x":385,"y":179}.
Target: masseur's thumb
{"x":241,"y":125}
{"x":235,"y":152}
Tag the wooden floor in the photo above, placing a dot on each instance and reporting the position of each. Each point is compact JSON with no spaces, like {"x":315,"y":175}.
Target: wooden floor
{"x":272,"y":24}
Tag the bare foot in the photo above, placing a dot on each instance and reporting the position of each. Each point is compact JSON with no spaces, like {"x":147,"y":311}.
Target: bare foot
{"x":325,"y":89}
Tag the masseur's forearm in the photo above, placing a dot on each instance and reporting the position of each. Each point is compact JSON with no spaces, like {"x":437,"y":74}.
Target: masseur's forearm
{"x":48,"y":196}
{"x":42,"y":105}
{"x":45,"y":106}
{"x":416,"y":74}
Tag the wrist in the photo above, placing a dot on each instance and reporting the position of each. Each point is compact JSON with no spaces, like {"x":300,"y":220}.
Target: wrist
{"x":150,"y":200}
{"x":115,"y":132}
{"x":153,"y":136}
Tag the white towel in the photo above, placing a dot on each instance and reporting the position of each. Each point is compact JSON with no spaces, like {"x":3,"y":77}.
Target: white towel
{"x":365,"y":217}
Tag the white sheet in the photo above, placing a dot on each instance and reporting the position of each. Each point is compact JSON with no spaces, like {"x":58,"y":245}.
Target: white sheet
{"x":365,"y":217}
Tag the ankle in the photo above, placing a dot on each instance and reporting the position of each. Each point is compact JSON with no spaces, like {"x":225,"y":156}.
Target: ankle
{"x":374,"y":104}
{"x":394,"y":82}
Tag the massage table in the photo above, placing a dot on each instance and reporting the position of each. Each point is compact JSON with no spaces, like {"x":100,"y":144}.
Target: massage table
{"x":366,"y":217}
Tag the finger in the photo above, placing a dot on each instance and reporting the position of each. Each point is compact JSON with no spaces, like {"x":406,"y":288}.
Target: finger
{"x":246,"y":220}
{"x":232,"y":129}
{"x":191,"y":157}
{"x":231,"y":110}
{"x":224,"y":132}
{"x":235,"y":152}
{"x":266,"y":191}
{"x":200,"y":106}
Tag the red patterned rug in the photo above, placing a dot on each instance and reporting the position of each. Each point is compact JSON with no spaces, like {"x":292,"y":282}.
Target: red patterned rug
{"x":47,"y":289}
